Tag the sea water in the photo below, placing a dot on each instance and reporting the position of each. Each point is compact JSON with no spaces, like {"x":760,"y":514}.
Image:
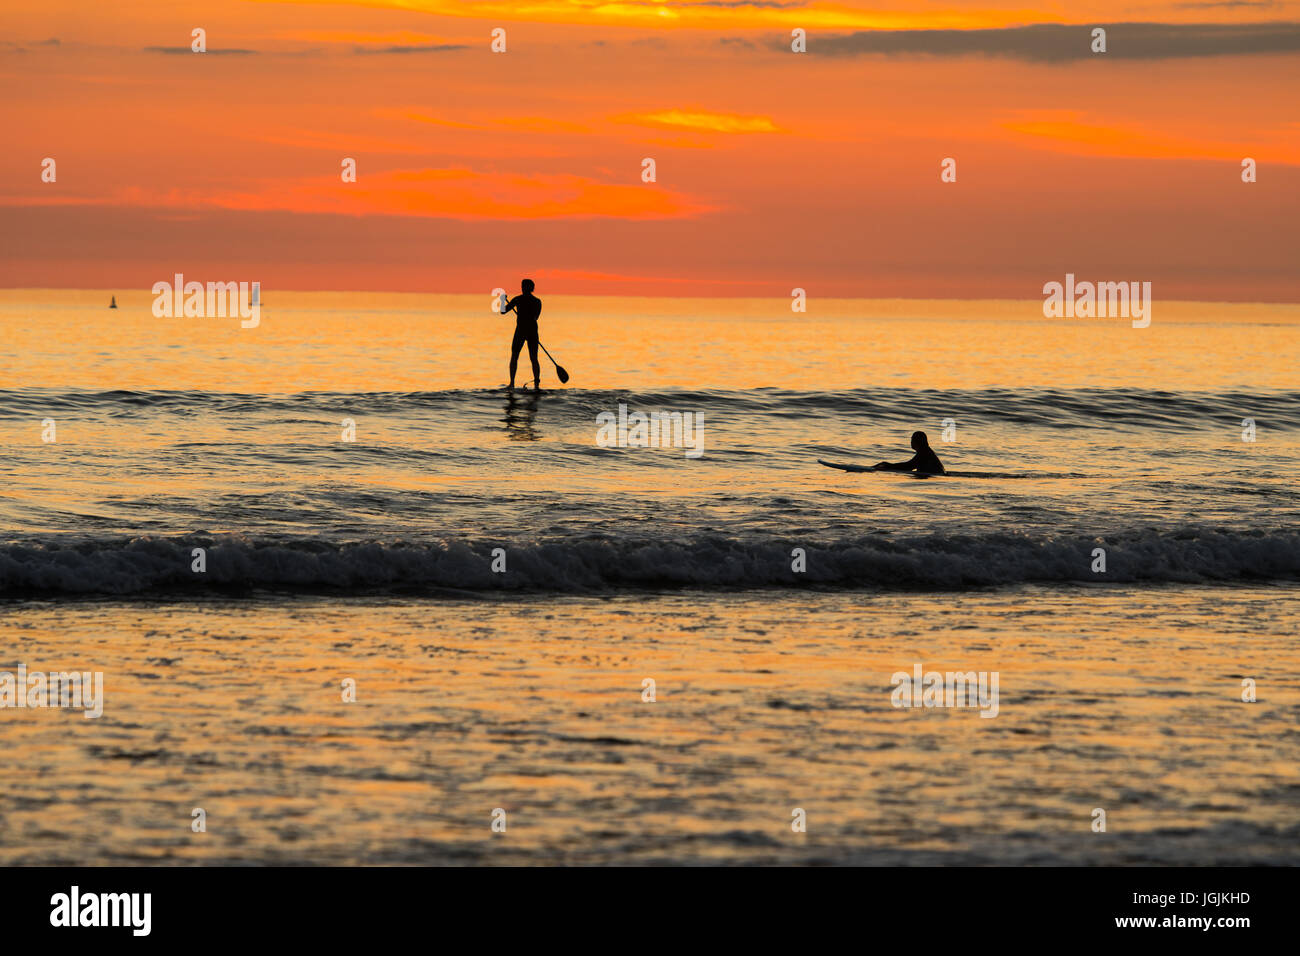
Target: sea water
{"x":231,"y":524}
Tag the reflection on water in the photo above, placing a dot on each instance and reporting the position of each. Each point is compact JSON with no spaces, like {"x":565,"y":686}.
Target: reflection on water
{"x":362,"y":342}
{"x":185,"y":435}
{"x":521,"y":412}
{"x":1125,"y":699}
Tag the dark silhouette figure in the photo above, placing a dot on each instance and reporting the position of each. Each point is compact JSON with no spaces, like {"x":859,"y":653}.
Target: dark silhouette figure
{"x":527,"y":308}
{"x":924,"y":462}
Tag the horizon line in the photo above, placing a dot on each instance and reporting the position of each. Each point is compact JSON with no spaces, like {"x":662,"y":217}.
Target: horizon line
{"x":108,"y":290}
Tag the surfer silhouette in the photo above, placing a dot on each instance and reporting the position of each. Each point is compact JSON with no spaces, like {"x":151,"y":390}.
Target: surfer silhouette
{"x":527,"y":308}
{"x":925,"y":461}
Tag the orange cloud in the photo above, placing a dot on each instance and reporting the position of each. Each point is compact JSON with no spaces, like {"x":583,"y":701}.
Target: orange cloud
{"x":361,"y":38}
{"x":344,"y":144}
{"x":536,"y":124}
{"x":741,"y":16}
{"x":1068,"y":132}
{"x":427,"y":118}
{"x":453,"y":193}
{"x":588,"y":275}
{"x":701,"y":121}
{"x":542,"y":124}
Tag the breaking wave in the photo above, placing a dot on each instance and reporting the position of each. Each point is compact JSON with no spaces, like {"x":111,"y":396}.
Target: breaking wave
{"x":147,"y":566}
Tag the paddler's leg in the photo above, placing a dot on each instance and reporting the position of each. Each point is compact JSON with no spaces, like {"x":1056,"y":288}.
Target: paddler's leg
{"x":515,"y":346}
{"x":532,"y":354}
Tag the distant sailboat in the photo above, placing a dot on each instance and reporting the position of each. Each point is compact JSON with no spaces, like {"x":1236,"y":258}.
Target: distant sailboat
{"x":113,"y":304}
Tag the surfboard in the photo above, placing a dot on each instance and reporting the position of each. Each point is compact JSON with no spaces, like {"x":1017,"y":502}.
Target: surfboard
{"x":846,"y":467}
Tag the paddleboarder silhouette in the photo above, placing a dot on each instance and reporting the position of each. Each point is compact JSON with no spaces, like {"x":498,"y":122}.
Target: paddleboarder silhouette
{"x":527,"y":308}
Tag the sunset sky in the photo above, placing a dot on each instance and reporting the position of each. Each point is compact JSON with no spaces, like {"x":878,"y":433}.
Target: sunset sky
{"x":774,"y":169}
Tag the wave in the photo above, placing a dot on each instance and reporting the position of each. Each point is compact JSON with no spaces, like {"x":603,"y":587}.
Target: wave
{"x":147,"y":566}
{"x":1111,"y":408}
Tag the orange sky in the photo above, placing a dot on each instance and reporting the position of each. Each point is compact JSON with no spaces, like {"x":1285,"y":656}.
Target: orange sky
{"x":775,"y":169}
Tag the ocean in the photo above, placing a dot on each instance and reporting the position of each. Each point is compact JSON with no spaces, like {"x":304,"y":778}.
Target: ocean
{"x":232,"y":524}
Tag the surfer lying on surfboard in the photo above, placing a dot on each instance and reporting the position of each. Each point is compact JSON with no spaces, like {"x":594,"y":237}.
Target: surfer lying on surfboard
{"x":925,"y":461}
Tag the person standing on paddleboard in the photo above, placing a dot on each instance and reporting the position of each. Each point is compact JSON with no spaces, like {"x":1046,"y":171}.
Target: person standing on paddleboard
{"x":527,"y":308}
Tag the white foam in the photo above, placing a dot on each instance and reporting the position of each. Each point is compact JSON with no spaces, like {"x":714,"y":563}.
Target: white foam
{"x":143,"y":566}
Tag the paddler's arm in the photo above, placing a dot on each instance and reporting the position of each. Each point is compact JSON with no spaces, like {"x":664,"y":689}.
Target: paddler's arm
{"x":897,"y":466}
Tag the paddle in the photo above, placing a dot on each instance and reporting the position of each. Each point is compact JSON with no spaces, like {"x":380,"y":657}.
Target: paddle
{"x":559,"y":369}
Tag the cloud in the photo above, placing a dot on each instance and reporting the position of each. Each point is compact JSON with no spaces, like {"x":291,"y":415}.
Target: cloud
{"x":536,"y":124}
{"x":1074,"y":132}
{"x":421,"y":48}
{"x":1061,"y":43}
{"x":184,"y":49}
{"x":701,"y":121}
{"x":446,"y":193}
{"x":720,"y":15}
{"x":728,"y":4}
